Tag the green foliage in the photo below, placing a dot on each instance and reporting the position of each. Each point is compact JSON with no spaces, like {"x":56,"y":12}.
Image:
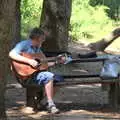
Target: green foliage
{"x":88,"y":22}
{"x":114,"y":5}
{"x":30,"y":15}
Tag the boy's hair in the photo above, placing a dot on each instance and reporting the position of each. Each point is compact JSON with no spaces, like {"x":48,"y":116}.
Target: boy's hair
{"x":36,"y":33}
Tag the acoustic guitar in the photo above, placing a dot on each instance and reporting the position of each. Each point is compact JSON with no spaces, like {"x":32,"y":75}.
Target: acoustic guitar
{"x":24,"y":70}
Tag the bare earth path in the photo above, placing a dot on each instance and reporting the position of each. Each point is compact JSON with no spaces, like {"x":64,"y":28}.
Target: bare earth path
{"x":79,"y":102}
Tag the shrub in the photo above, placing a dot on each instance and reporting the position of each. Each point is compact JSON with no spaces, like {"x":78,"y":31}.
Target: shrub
{"x":30,"y":15}
{"x":89,"y":22}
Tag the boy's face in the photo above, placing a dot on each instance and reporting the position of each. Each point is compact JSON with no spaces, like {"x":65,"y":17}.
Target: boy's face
{"x":38,"y":41}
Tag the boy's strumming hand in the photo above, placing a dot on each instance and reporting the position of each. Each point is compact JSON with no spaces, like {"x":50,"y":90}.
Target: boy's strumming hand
{"x":33,"y":63}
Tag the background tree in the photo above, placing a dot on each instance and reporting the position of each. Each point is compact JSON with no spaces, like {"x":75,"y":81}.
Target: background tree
{"x":85,"y":24}
{"x":8,"y":27}
{"x":114,"y":13}
{"x":17,"y":24}
{"x":106,"y":41}
{"x":55,"y":20}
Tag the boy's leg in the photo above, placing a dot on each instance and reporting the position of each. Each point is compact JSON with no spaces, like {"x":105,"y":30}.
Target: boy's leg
{"x":49,"y":90}
{"x":49,"y":93}
{"x":47,"y":79}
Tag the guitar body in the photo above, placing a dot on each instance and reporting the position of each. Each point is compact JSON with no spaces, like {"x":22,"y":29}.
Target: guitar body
{"x":25,"y":70}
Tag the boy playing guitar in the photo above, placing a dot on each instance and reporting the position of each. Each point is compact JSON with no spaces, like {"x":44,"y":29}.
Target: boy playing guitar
{"x":22,"y":54}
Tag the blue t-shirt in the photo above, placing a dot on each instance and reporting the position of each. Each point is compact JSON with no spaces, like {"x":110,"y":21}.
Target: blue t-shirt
{"x":25,"y":46}
{"x":42,"y":77}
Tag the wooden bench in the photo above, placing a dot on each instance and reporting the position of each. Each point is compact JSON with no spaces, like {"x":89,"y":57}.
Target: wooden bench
{"x":34,"y":93}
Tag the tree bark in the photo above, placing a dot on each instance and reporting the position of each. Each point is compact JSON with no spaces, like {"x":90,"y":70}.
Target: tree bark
{"x":106,"y":41}
{"x":17,"y":24}
{"x":55,"y":20}
{"x":7,"y":22}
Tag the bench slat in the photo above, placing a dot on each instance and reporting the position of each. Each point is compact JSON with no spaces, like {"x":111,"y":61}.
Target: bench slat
{"x":88,"y":60}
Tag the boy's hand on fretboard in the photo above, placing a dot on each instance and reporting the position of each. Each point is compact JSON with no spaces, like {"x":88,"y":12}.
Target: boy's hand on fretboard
{"x":63,"y":59}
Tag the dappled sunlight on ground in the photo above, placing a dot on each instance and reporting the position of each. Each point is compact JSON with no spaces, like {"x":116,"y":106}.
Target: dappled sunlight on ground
{"x":80,"y":101}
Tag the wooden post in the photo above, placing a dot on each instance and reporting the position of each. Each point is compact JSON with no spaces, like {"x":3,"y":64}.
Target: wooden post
{"x":114,"y":95}
{"x":34,"y":95}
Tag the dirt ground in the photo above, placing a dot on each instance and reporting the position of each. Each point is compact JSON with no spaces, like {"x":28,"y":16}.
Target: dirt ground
{"x":79,"y":102}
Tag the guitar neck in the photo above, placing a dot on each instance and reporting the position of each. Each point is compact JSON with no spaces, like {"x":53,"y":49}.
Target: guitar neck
{"x":41,"y":57}
{"x":50,"y":59}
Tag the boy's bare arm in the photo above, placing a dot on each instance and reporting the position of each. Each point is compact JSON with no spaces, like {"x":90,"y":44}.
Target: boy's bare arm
{"x":21,"y":58}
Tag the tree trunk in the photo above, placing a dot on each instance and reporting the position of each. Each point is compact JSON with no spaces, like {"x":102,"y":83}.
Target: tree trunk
{"x":55,"y":20}
{"x":106,"y":41}
{"x":17,"y":24}
{"x":7,"y":21}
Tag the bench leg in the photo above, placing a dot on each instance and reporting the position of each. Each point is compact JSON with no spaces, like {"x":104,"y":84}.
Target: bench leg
{"x":33,"y":96}
{"x":114,"y":95}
